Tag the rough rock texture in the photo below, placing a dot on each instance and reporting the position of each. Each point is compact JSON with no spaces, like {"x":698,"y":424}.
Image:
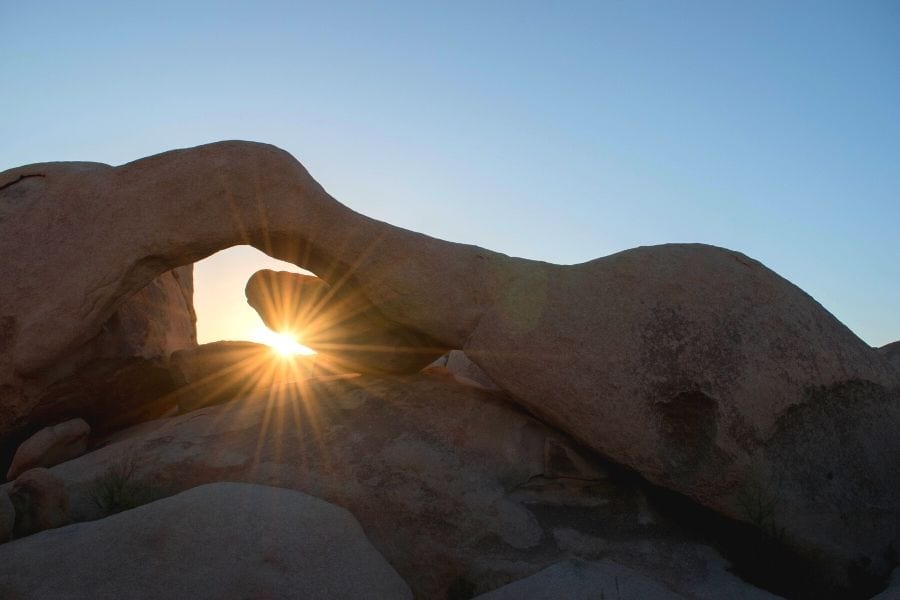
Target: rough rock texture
{"x":458,"y":488}
{"x":108,"y":394}
{"x":339,"y":322}
{"x":893,"y":589}
{"x":221,"y":541}
{"x":156,"y":321}
{"x":214,"y":373}
{"x":582,"y":580}
{"x":41,"y":501}
{"x":590,"y":580}
{"x":7,"y":517}
{"x":51,"y":446}
{"x":694,"y":365}
{"x":146,"y":328}
{"x":891,"y":352}
{"x":458,"y":366}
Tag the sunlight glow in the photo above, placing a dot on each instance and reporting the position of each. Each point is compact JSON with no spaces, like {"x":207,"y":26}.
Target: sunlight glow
{"x":284,"y":344}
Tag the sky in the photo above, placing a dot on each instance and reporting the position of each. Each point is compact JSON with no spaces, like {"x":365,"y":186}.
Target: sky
{"x":555,"y":131}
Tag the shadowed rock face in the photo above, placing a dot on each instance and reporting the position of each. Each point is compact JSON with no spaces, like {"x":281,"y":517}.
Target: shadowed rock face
{"x":158,"y":320}
{"x":236,"y":540}
{"x":891,"y":352}
{"x":689,"y":363}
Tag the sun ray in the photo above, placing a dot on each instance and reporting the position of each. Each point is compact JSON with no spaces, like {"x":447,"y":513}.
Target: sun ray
{"x":283,"y":344}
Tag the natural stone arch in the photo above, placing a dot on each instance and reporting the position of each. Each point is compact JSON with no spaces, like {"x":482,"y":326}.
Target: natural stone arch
{"x":178,"y":207}
{"x":603,"y":350}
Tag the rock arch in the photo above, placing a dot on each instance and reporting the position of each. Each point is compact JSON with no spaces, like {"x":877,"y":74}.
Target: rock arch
{"x":95,"y":234}
{"x":592,"y":348}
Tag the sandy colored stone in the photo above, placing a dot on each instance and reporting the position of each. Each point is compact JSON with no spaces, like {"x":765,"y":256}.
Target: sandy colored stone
{"x":221,"y":541}
{"x":694,"y":365}
{"x":51,"y":446}
{"x":455,"y":486}
{"x":41,"y":501}
{"x":156,"y":321}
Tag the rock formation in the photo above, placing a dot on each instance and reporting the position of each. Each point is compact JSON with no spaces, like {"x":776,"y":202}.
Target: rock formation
{"x":40,"y":500}
{"x":695,"y":366}
{"x":339,"y":322}
{"x":221,"y":371}
{"x":156,"y":321}
{"x":117,"y":377}
{"x":891,"y":352}
{"x":584,"y":580}
{"x":7,"y":517}
{"x":108,"y":394}
{"x":51,"y":446}
{"x":221,"y":541}
{"x":456,"y":365}
{"x":457,"y":487}
{"x":893,"y":589}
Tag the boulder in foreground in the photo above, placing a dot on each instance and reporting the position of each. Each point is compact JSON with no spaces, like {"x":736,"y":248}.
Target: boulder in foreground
{"x":217,"y":542}
{"x":51,"y":446}
{"x":457,"y":487}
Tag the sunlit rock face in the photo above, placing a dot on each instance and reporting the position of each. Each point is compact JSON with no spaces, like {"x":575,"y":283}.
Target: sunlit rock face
{"x":696,"y":366}
{"x":339,"y":323}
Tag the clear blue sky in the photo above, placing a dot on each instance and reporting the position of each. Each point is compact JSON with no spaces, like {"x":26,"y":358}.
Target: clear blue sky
{"x":557,"y":131}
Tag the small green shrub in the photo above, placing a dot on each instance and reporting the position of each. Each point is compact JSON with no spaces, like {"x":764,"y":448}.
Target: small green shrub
{"x":118,"y":489}
{"x":759,"y":506}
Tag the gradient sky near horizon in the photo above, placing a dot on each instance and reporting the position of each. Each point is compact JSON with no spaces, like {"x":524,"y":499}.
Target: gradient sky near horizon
{"x":554,"y":131}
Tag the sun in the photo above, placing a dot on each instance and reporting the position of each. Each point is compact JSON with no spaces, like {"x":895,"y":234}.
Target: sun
{"x":283,"y":344}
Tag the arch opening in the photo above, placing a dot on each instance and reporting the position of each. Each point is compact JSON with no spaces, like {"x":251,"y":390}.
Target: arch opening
{"x":223,"y":313}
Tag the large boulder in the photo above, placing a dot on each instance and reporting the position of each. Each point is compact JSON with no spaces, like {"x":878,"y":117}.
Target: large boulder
{"x":108,"y":394}
{"x":221,"y":541}
{"x":714,"y":377}
{"x":590,"y":580}
{"x":694,"y":365}
{"x":582,"y":580}
{"x":457,"y":487}
{"x":40,"y":500}
{"x":51,"y":446}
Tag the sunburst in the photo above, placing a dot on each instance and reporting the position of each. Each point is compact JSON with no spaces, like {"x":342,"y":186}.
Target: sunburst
{"x":283,"y":344}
